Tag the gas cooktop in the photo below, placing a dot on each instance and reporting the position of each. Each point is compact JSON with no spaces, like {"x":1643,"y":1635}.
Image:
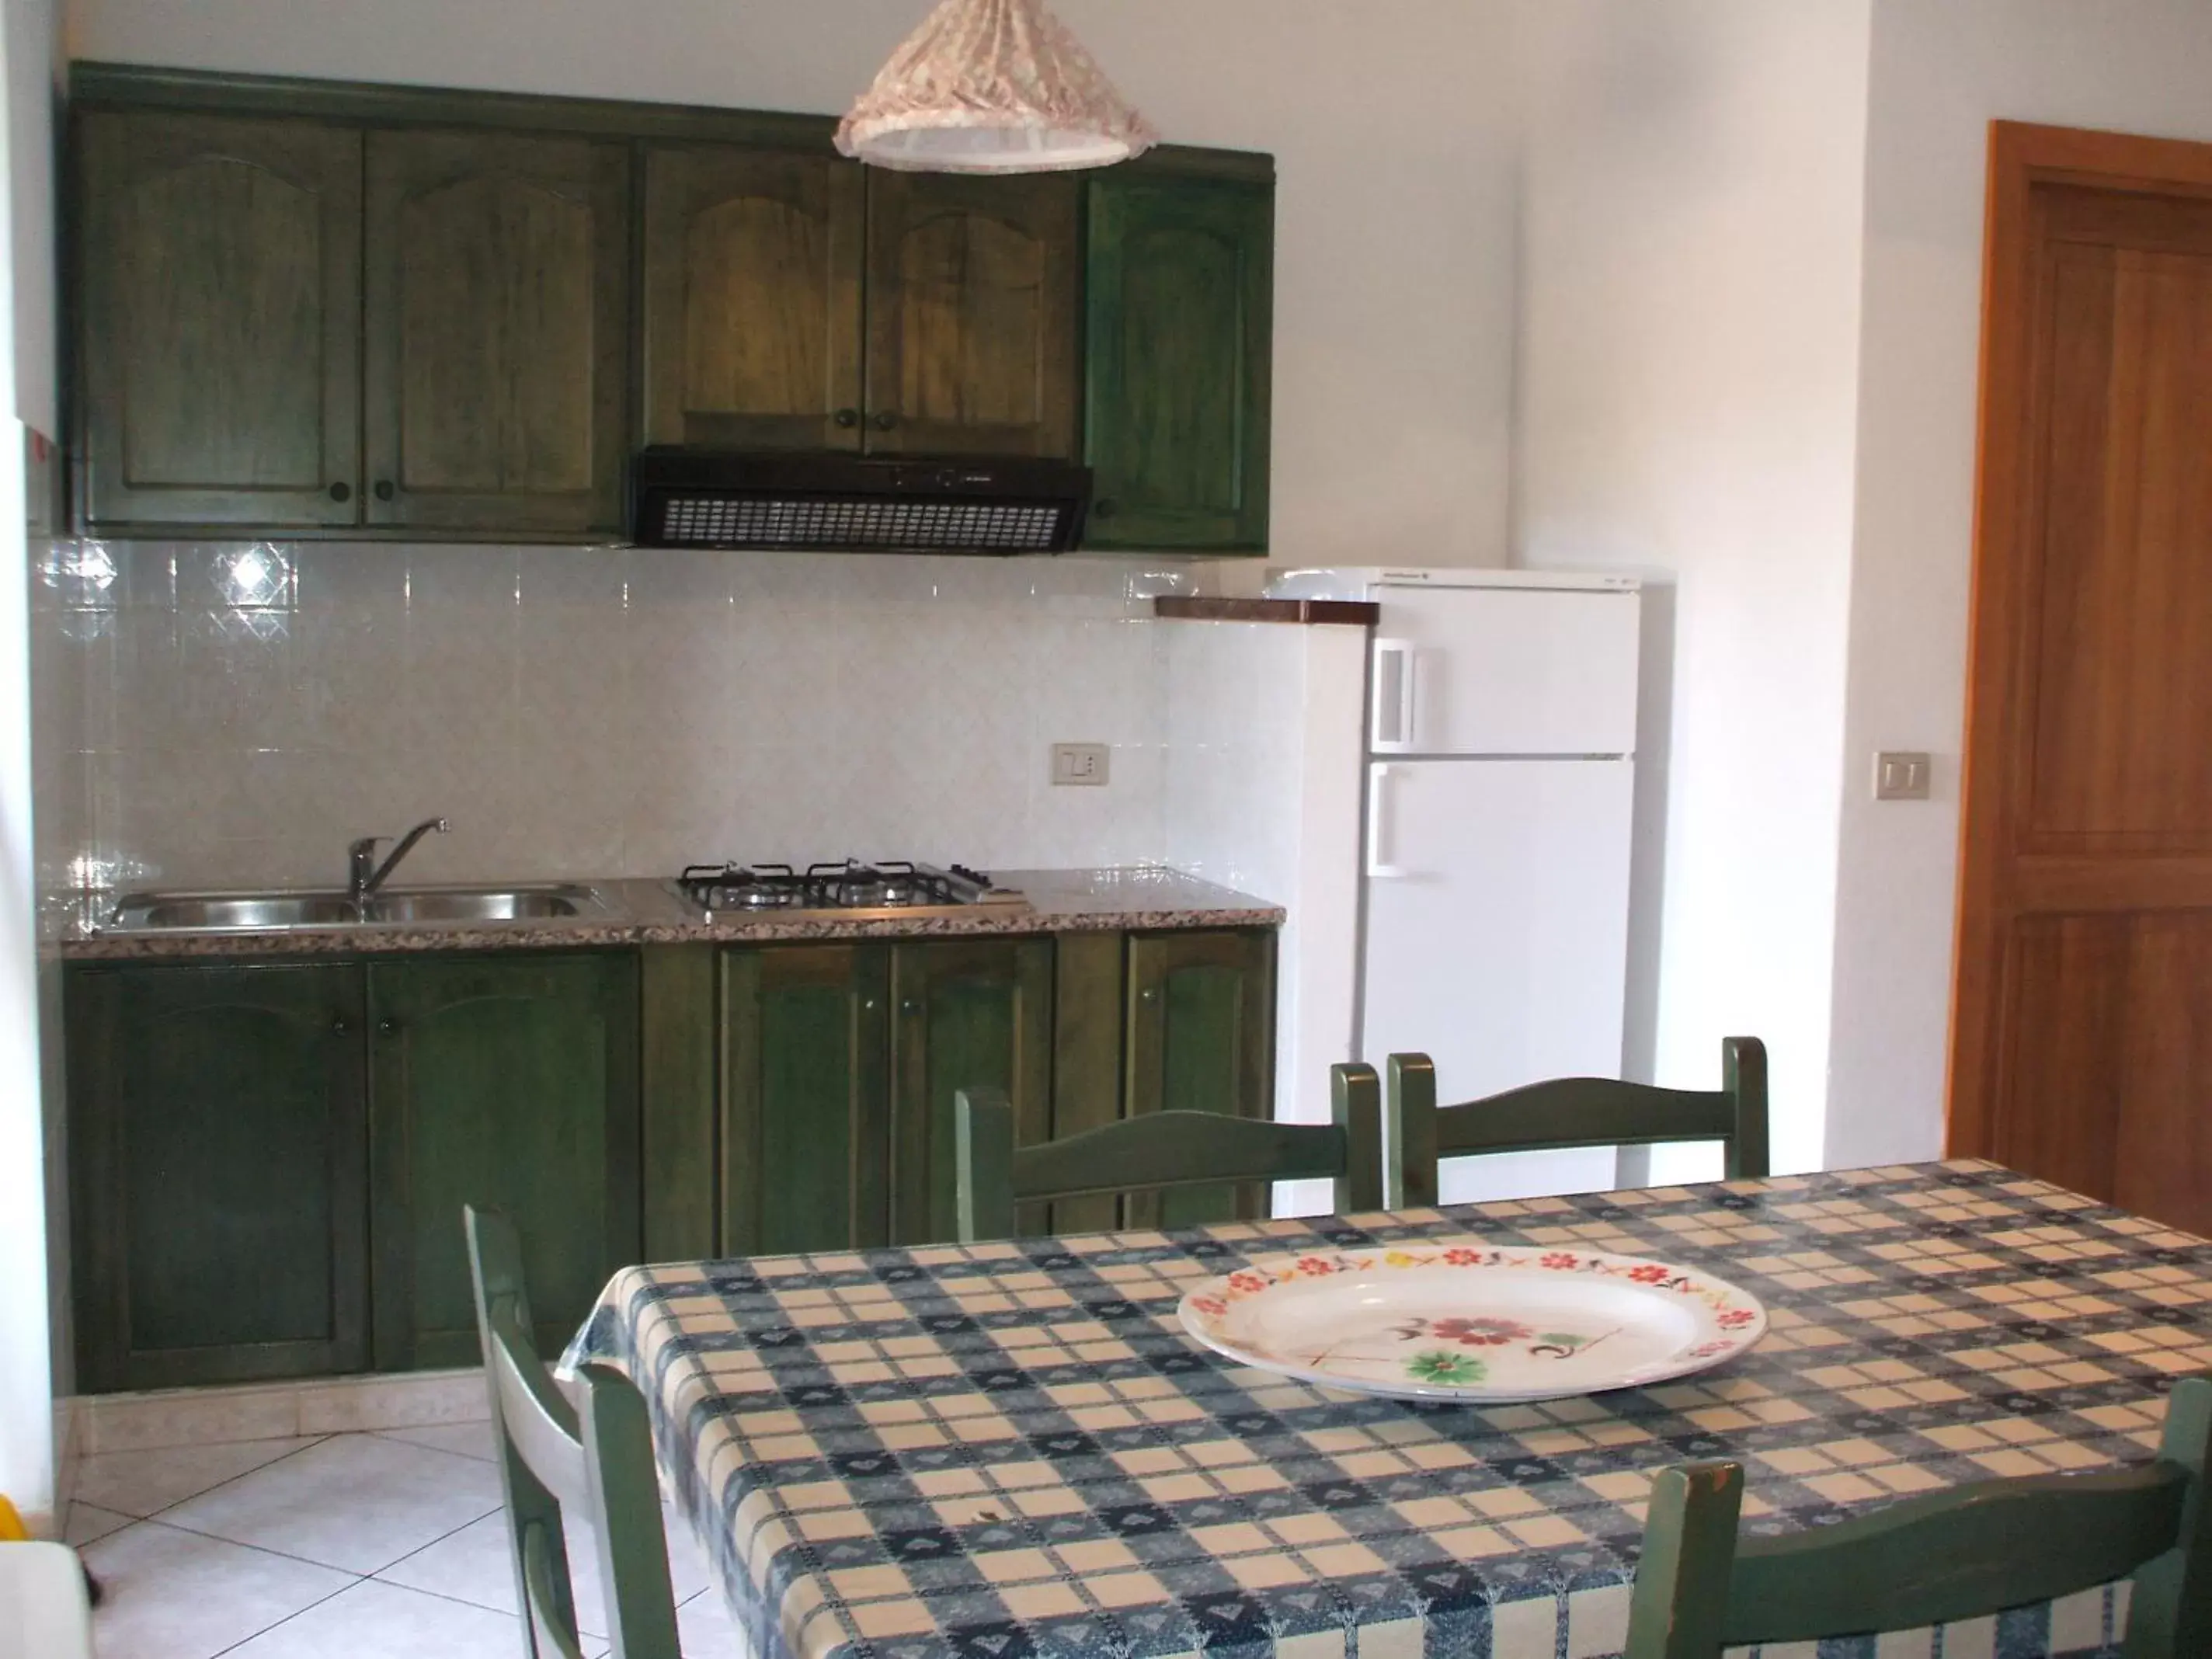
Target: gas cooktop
{"x":891,"y":886}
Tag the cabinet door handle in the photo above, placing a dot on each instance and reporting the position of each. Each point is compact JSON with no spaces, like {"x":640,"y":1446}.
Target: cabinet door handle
{"x":909,"y":1006}
{"x":847,"y":417}
{"x":868,"y":1004}
{"x":341,"y":492}
{"x":384,"y":492}
{"x":339,"y":1026}
{"x":388,"y":1027}
{"x":1148,"y":994}
{"x":886,"y":421}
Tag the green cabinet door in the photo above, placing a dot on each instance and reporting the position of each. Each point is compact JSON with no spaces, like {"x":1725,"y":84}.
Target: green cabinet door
{"x":752,"y":298}
{"x":219,"y":328}
{"x":969,"y":1012}
{"x":508,"y":1080}
{"x":972,"y":286}
{"x":497,"y":332}
{"x":1178,"y":329}
{"x":218,"y":1155}
{"x":1201,"y":1038}
{"x":805,"y":1098}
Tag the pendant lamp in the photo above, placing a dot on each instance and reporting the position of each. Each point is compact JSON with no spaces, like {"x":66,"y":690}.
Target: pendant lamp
{"x":992,"y":86}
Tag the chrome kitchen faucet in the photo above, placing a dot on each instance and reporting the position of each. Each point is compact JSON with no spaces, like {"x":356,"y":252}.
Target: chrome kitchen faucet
{"x":365,"y":875}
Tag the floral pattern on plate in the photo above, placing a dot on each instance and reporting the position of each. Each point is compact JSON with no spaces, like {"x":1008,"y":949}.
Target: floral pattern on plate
{"x":1474,"y":1321}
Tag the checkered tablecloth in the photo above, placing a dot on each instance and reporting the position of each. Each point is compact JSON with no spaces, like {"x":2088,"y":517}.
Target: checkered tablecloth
{"x":1011,"y":1451}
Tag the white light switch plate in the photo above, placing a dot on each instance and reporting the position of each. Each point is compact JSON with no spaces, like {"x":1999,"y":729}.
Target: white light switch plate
{"x":1901,"y":775}
{"x":1080,"y":763}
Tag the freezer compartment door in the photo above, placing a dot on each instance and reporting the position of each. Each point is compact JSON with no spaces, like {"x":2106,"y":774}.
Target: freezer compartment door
{"x":1504,"y":672}
{"x":1496,"y":939}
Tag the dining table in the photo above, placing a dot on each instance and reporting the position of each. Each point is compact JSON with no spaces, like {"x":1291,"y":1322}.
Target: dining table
{"x":1013,"y":1450}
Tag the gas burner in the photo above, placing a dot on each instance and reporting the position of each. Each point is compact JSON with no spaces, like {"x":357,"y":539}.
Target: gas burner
{"x":847,"y":885}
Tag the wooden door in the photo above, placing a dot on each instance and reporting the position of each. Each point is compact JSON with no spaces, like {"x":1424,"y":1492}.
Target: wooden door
{"x":2082,"y":1039}
{"x":1178,"y":329}
{"x":219,"y":1154}
{"x":220,"y":343}
{"x":1201,"y":1038}
{"x":752,"y":298}
{"x":497,"y":331}
{"x":508,"y":1080}
{"x":972,"y":305}
{"x":806,"y":1099}
{"x":971,"y":1011}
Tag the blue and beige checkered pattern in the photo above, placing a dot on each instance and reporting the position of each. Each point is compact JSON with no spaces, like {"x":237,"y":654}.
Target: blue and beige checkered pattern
{"x":1012,"y":1451}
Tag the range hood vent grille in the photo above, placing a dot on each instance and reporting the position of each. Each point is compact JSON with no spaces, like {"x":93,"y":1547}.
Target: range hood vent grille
{"x":693,"y":498}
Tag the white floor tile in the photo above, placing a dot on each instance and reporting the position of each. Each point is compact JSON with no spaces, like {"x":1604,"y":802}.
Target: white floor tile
{"x":473,"y":1564}
{"x":88,"y":1523}
{"x":355,"y":1501}
{"x":172,"y":1594}
{"x":463,"y":1439}
{"x":147,"y":1482}
{"x":705,"y":1629}
{"x":383,"y":1621}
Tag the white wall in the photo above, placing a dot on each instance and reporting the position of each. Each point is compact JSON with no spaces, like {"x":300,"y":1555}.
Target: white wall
{"x":1264,"y":748}
{"x":1942,"y":69}
{"x":1394,"y":261}
{"x":26,"y":1447}
{"x":1684,"y":405}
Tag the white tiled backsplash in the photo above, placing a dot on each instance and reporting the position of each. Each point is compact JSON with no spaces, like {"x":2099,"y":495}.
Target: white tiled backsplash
{"x":237,"y":712}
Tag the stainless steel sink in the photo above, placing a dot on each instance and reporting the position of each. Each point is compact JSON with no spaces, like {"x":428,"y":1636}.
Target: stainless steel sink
{"x":232,"y":912}
{"x":457,"y":904}
{"x":274,"y":912}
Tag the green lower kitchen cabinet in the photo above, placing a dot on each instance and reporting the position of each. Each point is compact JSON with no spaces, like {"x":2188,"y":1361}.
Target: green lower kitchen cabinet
{"x":975,"y":1012}
{"x":1199,"y":1037}
{"x":508,"y":1080}
{"x":217,"y":1145}
{"x":806,"y":1038}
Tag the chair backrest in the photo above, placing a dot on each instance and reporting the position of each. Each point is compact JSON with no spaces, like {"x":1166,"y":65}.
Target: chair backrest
{"x":1157,"y":1151}
{"x":1566,"y":1112}
{"x":596,"y":1455}
{"x":1930,"y":1560}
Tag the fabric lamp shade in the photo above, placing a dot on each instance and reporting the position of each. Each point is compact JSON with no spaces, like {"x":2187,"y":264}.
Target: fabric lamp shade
{"x":992,"y":86}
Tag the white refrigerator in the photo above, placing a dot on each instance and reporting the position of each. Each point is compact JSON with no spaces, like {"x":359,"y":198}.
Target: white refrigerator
{"x":1499,"y":775}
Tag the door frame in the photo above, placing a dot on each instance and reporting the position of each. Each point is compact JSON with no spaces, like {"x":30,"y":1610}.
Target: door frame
{"x":2022,"y":155}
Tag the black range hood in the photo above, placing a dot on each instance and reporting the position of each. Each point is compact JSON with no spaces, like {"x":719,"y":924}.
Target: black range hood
{"x":793,"y":500}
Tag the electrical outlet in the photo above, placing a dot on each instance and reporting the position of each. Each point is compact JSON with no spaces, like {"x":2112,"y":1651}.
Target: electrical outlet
{"x":1079,"y":762}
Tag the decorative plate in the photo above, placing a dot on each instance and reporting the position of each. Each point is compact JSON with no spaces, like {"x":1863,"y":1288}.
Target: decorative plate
{"x":1466,"y":1320}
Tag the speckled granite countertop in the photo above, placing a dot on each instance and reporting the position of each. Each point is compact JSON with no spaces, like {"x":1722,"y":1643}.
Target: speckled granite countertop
{"x":1139,"y":898}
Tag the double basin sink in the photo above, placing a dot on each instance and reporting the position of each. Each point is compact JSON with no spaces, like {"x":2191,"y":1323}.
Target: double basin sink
{"x":155,"y":913}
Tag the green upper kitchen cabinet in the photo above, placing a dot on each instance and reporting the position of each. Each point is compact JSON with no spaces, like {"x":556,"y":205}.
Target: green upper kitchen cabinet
{"x":1200,"y":1037}
{"x":217,"y":1149}
{"x":495,"y":331}
{"x":795,"y":300}
{"x":972,"y":342}
{"x":1179,"y":322}
{"x":509,"y":1080}
{"x":752,"y":297}
{"x":220,"y":334}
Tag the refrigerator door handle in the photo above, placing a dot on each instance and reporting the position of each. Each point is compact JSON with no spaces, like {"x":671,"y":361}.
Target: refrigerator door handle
{"x":1376,"y":869}
{"x":1392,"y":731}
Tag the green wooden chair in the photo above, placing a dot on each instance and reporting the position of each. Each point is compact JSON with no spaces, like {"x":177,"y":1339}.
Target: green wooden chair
{"x":597,"y":1454}
{"x":1158,"y":1151}
{"x":1567,"y":1112}
{"x":1931,"y":1560}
